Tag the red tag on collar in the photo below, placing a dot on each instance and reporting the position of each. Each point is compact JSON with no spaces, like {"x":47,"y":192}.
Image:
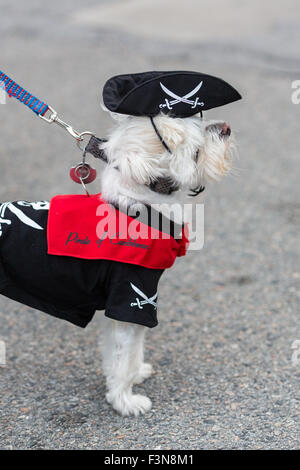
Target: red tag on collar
{"x":88,"y":227}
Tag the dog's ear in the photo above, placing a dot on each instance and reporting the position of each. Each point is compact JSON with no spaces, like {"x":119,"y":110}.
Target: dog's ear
{"x":116,"y":116}
{"x":171,"y":129}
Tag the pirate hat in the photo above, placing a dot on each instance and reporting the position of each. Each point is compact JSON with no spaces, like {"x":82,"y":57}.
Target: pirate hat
{"x":179,"y":94}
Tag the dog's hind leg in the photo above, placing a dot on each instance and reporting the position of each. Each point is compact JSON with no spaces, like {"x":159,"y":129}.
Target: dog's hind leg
{"x":122,"y":366}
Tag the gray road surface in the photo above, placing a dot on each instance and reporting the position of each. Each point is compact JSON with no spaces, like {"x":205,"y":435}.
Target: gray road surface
{"x":229,"y":314}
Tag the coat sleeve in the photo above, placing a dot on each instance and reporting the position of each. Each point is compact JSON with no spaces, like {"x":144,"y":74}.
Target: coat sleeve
{"x":132,"y":294}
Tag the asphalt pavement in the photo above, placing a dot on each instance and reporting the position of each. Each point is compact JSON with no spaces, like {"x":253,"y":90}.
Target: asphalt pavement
{"x":228,"y":315}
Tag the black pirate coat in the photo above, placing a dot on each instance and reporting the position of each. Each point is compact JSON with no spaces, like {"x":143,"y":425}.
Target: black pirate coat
{"x":67,"y":285}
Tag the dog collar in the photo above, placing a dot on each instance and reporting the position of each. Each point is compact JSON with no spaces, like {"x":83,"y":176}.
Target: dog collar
{"x":161,"y":185}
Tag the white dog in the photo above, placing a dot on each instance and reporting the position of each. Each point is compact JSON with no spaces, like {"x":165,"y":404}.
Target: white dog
{"x":134,"y":148}
{"x":56,"y":259}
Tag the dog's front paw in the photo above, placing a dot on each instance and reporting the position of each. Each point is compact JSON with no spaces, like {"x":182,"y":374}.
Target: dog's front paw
{"x":144,"y":372}
{"x":128,"y":404}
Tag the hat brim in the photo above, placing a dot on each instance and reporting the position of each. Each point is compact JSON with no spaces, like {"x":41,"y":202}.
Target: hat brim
{"x":178,"y":94}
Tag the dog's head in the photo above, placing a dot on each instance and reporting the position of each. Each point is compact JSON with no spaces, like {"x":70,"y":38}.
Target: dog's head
{"x":199,"y":150}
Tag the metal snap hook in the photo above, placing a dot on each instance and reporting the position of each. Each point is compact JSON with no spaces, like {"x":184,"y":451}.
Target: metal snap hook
{"x":54,"y":118}
{"x":80,"y":139}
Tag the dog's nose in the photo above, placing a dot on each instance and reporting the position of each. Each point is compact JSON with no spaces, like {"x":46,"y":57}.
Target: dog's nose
{"x":221,"y":128}
{"x":225,"y":129}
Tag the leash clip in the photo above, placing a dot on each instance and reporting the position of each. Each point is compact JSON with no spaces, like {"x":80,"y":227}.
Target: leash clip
{"x":54,"y":118}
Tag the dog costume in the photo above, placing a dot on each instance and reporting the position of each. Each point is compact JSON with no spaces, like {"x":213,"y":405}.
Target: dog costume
{"x":63,"y":260}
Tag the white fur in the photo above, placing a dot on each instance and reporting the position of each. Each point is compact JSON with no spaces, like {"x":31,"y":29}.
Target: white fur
{"x":135,"y":158}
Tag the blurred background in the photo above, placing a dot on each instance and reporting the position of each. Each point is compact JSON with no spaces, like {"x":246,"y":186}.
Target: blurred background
{"x":228,"y":314}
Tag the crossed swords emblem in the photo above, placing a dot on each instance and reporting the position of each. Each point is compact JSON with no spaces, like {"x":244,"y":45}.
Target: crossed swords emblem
{"x":181,"y":99}
{"x":147,"y":300}
{"x":20,"y":214}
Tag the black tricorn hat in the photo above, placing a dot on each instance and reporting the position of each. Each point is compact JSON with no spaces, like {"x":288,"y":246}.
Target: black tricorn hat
{"x":178,"y":93}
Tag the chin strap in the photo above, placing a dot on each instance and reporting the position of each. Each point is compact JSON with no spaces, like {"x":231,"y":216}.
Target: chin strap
{"x":159,"y":135}
{"x":167,"y":183}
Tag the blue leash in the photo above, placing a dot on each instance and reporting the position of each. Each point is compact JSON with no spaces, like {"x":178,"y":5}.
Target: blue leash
{"x":16,"y":91}
{"x":37,"y":106}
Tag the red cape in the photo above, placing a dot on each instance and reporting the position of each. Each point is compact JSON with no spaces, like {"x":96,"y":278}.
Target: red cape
{"x":90,"y":228}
